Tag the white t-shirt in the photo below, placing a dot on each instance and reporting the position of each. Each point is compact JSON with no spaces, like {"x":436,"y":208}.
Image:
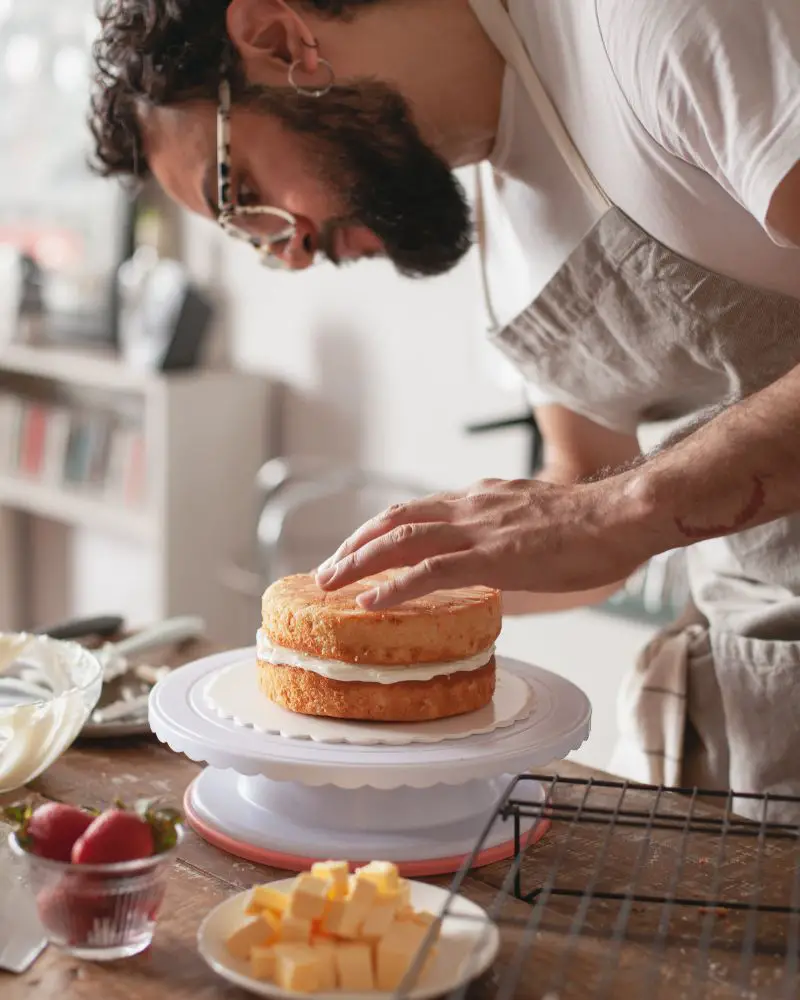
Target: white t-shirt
{"x":686,"y":112}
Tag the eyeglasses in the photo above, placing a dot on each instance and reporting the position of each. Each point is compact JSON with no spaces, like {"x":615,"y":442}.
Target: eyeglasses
{"x":268,"y":230}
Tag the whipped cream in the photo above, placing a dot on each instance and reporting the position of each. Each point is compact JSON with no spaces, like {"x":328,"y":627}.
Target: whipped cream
{"x":337,"y":670}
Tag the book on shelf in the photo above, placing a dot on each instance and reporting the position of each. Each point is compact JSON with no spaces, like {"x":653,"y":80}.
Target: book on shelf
{"x":90,"y":451}
{"x":32,"y":439}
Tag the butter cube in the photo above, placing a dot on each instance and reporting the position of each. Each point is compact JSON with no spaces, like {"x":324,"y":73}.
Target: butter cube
{"x":363,"y":894}
{"x":342,"y":920}
{"x":388,"y":883}
{"x":344,"y":917}
{"x":308,"y":898}
{"x":383,"y":873}
{"x":354,"y":968}
{"x":253,"y":934}
{"x":336,"y":874}
{"x":426,"y":920}
{"x":262,"y":964}
{"x":379,"y":919}
{"x":295,"y":930}
{"x":326,"y":950}
{"x":264,"y":897}
{"x":403,"y":892}
{"x":284,"y":948}
{"x":273,"y":922}
{"x":297,"y":969}
{"x":396,"y":952}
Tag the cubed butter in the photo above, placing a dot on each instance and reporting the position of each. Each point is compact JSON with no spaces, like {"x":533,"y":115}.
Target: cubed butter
{"x":253,"y":934}
{"x":308,"y":897}
{"x":335,"y":873}
{"x":297,"y":969}
{"x":327,"y":964}
{"x":290,"y":948}
{"x":344,"y":917}
{"x":354,"y":971}
{"x":264,"y":897}
{"x":378,"y":920}
{"x":383,"y":873}
{"x":262,"y":964}
{"x":425,"y":919}
{"x":273,"y":922}
{"x":363,"y":894}
{"x":396,"y":952}
{"x":295,"y":929}
{"x":403,"y":892}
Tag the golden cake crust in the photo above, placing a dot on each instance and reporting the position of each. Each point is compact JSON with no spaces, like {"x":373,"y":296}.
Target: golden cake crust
{"x":445,"y":626}
{"x":307,"y":693}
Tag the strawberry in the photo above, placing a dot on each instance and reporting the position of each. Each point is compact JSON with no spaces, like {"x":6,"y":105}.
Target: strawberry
{"x":51,"y":830}
{"x":70,"y":908}
{"x":116,"y":835}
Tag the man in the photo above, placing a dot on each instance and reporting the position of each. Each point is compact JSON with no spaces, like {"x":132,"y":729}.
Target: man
{"x":647,"y":165}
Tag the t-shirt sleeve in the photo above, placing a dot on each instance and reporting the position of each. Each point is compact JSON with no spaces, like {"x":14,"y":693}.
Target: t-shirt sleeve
{"x":716,"y":83}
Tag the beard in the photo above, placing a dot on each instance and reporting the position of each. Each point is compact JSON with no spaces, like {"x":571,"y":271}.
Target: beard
{"x":364,"y":146}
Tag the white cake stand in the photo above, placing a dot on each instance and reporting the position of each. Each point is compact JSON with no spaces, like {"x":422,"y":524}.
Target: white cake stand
{"x":287,"y":802}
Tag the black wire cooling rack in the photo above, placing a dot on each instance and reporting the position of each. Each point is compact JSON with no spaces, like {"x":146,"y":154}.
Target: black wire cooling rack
{"x":641,"y":891}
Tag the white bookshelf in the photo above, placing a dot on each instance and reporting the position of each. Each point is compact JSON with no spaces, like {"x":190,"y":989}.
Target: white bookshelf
{"x":88,"y":369}
{"x":71,"y":508}
{"x":206,"y":435}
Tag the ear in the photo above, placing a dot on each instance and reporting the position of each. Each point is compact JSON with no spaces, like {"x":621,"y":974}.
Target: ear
{"x":271,"y":31}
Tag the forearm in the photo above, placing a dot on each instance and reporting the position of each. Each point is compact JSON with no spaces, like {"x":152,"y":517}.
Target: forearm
{"x":740,"y":470}
{"x":524,"y":603}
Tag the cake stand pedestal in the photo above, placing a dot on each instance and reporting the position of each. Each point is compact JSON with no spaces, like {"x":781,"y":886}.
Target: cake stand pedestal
{"x":288,"y":802}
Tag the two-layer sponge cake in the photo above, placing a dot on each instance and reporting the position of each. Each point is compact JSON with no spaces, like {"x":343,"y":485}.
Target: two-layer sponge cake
{"x":321,"y":654}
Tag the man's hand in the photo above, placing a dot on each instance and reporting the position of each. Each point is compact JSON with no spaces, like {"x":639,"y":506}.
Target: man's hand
{"x":515,"y":536}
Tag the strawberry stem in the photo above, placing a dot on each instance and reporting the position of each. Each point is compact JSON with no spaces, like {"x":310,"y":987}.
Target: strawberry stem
{"x":19,"y":813}
{"x":164,"y":823}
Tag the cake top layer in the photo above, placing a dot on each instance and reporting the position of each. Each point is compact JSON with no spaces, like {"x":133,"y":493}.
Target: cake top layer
{"x":444,"y":626}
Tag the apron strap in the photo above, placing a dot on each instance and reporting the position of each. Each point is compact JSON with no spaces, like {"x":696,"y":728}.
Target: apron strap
{"x":500,"y":28}
{"x":480,"y":225}
{"x":502,"y":31}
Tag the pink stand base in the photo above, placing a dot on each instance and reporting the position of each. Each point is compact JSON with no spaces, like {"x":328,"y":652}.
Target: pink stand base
{"x":297,"y":863}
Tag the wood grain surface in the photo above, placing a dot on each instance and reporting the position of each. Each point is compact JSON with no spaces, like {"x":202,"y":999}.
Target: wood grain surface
{"x":569,"y":942}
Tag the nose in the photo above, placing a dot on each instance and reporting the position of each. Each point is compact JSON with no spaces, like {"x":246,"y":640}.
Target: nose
{"x":298,"y":253}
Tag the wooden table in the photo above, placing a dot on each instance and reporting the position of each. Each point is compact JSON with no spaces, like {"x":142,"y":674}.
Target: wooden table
{"x":94,"y":774}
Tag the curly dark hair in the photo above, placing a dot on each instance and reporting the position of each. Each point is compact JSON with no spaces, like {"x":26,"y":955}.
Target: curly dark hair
{"x":157,"y":53}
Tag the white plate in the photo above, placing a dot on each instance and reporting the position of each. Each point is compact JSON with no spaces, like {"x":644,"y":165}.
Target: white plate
{"x":468,"y":945}
{"x":234,"y":694}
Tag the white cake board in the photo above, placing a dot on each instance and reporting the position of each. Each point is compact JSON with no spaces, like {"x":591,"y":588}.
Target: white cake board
{"x":234,"y":694}
{"x":422,"y":805}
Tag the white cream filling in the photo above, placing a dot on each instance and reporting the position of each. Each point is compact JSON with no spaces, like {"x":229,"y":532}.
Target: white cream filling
{"x":336,"y":670}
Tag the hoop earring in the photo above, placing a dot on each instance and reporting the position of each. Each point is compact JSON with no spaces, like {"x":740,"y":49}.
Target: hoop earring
{"x":312,"y":91}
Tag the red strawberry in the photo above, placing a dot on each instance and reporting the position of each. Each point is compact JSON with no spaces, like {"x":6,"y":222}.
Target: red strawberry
{"x":70,"y":908}
{"x":52,"y":830}
{"x":114,"y":836}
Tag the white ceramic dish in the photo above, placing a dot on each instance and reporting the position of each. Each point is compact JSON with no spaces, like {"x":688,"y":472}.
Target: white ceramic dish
{"x":468,"y":945}
{"x":48,"y":689}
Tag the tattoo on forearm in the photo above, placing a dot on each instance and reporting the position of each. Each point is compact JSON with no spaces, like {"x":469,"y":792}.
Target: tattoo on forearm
{"x":740,"y":522}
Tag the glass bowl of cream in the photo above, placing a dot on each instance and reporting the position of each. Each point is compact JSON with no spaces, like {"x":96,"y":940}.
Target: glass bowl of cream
{"x":48,"y":689}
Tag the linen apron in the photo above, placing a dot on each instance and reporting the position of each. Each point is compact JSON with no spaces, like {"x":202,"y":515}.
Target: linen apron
{"x":629,"y":332}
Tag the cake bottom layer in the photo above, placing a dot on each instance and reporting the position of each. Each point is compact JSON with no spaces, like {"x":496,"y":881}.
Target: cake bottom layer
{"x":308,"y":693}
